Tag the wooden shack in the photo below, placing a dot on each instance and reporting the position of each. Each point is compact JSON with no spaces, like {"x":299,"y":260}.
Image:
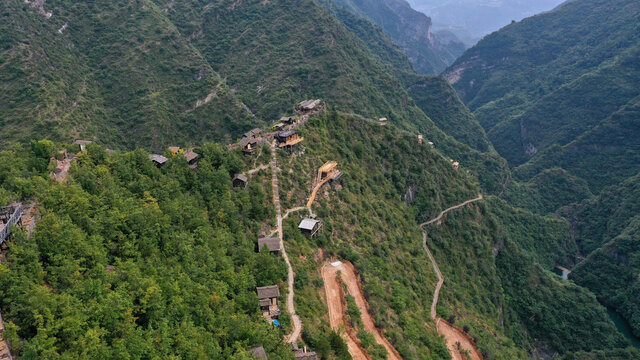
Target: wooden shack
{"x":419,"y":139}
{"x":158,"y":160}
{"x":82,"y":144}
{"x":309,"y":226}
{"x":192,"y":158}
{"x":303,"y":354}
{"x":248,"y":145}
{"x":383,"y":121}
{"x":239,"y":180}
{"x":288,"y":138}
{"x":309,"y":106}
{"x":272,"y":243}
{"x":328,"y":171}
{"x":268,"y":299}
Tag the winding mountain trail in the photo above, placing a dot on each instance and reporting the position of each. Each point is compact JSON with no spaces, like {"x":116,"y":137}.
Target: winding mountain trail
{"x":295,"y":319}
{"x":255,"y":170}
{"x":333,"y":290}
{"x":457,"y":339}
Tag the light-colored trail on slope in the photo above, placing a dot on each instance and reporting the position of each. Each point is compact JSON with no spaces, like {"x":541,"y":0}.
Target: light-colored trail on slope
{"x":351,"y":280}
{"x":452,"y":334}
{"x":295,"y":319}
{"x":312,"y":198}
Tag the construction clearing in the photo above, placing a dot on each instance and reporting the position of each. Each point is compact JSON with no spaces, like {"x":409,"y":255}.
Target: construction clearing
{"x":337,"y":315}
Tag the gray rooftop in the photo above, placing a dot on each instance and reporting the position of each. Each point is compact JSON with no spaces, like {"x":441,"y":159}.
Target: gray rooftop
{"x":190,"y":155}
{"x":286,"y":134}
{"x":240,"y":177}
{"x":308,"y":224}
{"x":268,"y":292}
{"x":158,"y":158}
{"x":273,"y":243}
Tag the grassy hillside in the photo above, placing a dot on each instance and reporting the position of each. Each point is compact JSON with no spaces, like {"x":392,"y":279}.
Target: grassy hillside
{"x":533,"y":92}
{"x":120,"y":74}
{"x":441,"y":103}
{"x":547,"y":191}
{"x":602,"y":156}
{"x":599,"y":220}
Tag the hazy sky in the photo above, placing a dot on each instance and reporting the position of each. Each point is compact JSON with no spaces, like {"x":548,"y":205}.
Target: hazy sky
{"x":472,"y":19}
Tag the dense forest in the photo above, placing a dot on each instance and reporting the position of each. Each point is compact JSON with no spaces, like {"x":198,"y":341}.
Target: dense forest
{"x":133,"y":261}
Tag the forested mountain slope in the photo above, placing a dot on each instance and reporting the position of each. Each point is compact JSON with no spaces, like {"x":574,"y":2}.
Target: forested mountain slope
{"x":549,"y":79}
{"x":410,"y":29}
{"x":117,"y":72}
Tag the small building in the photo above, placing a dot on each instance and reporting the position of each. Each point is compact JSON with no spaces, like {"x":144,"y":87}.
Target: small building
{"x":252,"y":134}
{"x":82,"y":144}
{"x":278,"y":126}
{"x":419,"y":139}
{"x":248,"y":145}
{"x":328,"y":172}
{"x":309,"y":105}
{"x":431,"y":143}
{"x":158,"y":160}
{"x":174,"y":150}
{"x":383,"y":121}
{"x":456,"y":165}
{"x":239,"y":180}
{"x":309,"y":226}
{"x":288,"y":138}
{"x":268,"y":299}
{"x":272,"y":243}
{"x":304,"y":354}
{"x":258,"y":352}
{"x":192,"y":158}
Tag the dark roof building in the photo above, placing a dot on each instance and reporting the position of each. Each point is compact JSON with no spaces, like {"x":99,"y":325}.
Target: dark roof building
{"x":305,"y":355}
{"x":192,"y":158}
{"x":239,"y":180}
{"x":268,"y":292}
{"x":272,"y":243}
{"x":159,"y":160}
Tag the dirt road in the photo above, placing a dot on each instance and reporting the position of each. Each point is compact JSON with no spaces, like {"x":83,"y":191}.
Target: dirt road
{"x":336,"y":311}
{"x":456,"y":337}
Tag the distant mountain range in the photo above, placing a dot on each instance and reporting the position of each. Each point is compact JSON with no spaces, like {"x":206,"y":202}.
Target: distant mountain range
{"x":470,"y":20}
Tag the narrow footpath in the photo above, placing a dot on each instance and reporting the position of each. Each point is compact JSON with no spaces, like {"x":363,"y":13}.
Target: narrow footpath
{"x":457,"y":339}
{"x":295,"y":319}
